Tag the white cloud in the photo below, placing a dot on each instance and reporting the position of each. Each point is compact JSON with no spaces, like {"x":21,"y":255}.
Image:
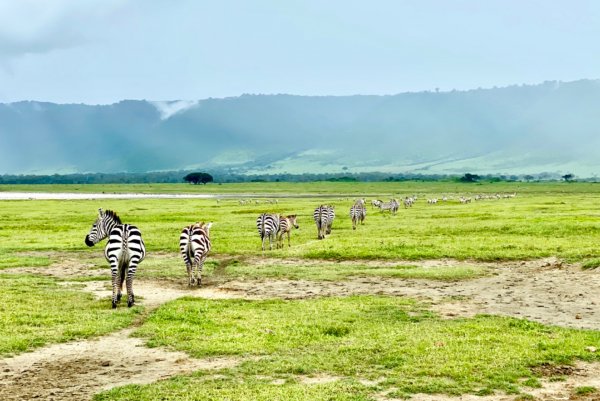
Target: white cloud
{"x":40,"y":26}
{"x":168,"y":109}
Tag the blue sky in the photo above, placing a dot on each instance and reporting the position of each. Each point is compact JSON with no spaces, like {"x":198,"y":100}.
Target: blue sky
{"x":103,"y":51}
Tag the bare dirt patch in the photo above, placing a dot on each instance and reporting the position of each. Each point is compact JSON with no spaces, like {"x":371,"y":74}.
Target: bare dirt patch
{"x":546,"y":291}
{"x":580,"y":375}
{"x":65,"y":265}
{"x":77,"y":370}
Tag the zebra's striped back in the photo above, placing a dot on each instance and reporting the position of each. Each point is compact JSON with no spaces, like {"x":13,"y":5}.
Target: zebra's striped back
{"x":358,"y":212}
{"x":392,"y":206}
{"x":286,"y":223}
{"x":324,"y":216}
{"x":267,"y":226}
{"x":194,"y":244}
{"x":124,"y":250}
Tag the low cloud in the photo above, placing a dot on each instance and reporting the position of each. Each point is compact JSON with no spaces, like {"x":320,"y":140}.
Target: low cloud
{"x":42,"y":26}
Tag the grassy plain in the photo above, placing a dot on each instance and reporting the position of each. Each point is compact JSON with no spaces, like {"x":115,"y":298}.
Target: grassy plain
{"x":370,"y":345}
{"x":543,"y":220}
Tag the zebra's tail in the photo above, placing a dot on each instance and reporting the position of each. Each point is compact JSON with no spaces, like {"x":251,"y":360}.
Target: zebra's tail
{"x":262,"y":226}
{"x":124,"y":261}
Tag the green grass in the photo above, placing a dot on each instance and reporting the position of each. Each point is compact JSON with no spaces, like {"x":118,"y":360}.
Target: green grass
{"x":311,"y":188}
{"x":327,"y":271}
{"x":35,"y":311}
{"x":585,"y":390}
{"x":228,"y":387}
{"x":395,"y":341}
{"x":540,"y":222}
{"x":8,"y":261}
{"x":170,"y":266}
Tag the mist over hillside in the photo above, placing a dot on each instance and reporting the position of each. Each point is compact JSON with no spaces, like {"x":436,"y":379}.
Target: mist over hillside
{"x":551,"y":127}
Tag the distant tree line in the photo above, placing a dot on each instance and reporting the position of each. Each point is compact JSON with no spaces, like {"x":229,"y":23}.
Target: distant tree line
{"x":225,"y":176}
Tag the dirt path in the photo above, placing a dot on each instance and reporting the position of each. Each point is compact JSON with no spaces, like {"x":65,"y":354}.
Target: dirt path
{"x":546,"y":291}
{"x":78,"y":370}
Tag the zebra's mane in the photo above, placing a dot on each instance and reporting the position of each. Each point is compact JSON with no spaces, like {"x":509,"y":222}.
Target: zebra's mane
{"x":113,"y":215}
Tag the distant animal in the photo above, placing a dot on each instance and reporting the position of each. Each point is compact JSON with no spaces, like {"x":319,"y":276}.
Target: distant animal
{"x":286,"y":223}
{"x":267,"y":226}
{"x":324,"y":216}
{"x":376,"y":202}
{"x":392,"y":206}
{"x":194,"y":244}
{"x":124,"y":251}
{"x":358,"y":212}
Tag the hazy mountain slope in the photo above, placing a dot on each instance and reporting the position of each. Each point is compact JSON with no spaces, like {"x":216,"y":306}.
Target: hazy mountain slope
{"x":548,"y":127}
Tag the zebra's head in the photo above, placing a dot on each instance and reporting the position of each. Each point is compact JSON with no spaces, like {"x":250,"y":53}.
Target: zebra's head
{"x":105,"y":221}
{"x":292,"y":219}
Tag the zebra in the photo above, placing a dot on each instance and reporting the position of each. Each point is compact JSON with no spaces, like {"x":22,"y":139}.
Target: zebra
{"x":124,"y":251}
{"x":324,"y":216}
{"x":285,"y":227}
{"x":392,"y":206}
{"x":376,"y":202}
{"x":194,"y":244}
{"x":268,"y":226}
{"x":358,"y":212}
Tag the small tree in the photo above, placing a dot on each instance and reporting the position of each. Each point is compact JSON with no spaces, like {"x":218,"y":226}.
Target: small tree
{"x":468,"y":177}
{"x":196,"y":178}
{"x":529,"y":178}
{"x":568,"y":177}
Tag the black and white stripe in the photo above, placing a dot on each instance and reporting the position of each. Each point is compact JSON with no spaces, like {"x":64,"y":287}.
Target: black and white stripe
{"x":286,"y":223}
{"x":392,"y":206}
{"x":268,"y":226}
{"x":124,"y":251}
{"x":324,"y":216}
{"x":194,"y":244}
{"x":358,"y":212}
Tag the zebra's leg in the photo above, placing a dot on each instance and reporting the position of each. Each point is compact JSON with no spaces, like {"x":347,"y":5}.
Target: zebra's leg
{"x":188,"y":267}
{"x":114,"y":272}
{"x":200,"y":265}
{"x":271,"y":241}
{"x":190,"y":273}
{"x":263,"y":242}
{"x":121,"y":280}
{"x":130,"y":273}
{"x":288,"y":235}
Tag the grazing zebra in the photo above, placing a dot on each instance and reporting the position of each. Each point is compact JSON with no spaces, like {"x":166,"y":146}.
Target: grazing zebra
{"x":194,"y":244}
{"x":376,"y":202}
{"x":358,"y":212}
{"x":392,"y":206}
{"x":408,"y":202}
{"x":124,"y":251}
{"x":268,"y":226}
{"x":285,"y":227}
{"x":324,"y":216}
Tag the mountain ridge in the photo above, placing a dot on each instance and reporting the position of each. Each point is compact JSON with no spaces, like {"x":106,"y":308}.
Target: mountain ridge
{"x":550,"y":127}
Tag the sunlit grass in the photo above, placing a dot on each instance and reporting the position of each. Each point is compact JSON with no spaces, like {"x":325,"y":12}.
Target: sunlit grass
{"x":35,"y":311}
{"x":390,"y":340}
{"x":535,"y":224}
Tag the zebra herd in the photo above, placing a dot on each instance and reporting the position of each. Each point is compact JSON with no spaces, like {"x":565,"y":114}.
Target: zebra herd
{"x":125,"y":248}
{"x":274,"y":227}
